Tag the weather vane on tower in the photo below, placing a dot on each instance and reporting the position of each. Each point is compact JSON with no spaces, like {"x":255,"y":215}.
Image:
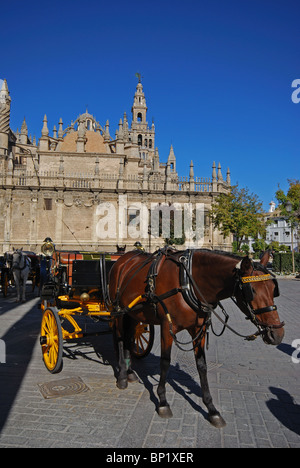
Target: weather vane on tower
{"x":139,"y":77}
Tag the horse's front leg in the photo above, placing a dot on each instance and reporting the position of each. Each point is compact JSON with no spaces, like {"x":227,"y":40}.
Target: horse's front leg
{"x":17,"y":283}
{"x":164,"y":410}
{"x":124,"y":330}
{"x":214,"y":416}
{"x":122,"y":382}
{"x":24,"y":281}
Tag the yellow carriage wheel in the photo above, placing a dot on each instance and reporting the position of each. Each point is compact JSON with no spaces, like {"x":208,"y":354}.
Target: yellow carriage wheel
{"x":51,"y":340}
{"x":143,"y":340}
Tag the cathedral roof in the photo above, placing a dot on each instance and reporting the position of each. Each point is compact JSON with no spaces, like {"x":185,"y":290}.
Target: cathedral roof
{"x":94,"y":142}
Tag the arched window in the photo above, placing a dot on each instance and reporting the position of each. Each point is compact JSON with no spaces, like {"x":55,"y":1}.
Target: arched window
{"x":140,"y":140}
{"x":150,"y":143}
{"x":139,"y":117}
{"x":145,"y":142}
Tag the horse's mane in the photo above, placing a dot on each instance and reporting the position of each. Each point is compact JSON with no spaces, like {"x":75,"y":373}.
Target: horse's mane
{"x":222,"y":253}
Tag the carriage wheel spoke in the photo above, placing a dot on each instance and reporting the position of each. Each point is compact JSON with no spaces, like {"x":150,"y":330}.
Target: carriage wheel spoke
{"x":52,"y":346}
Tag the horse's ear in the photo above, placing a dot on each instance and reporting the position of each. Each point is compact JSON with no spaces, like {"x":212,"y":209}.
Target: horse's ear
{"x":21,"y":249}
{"x":265,"y":258}
{"x":246,"y":265}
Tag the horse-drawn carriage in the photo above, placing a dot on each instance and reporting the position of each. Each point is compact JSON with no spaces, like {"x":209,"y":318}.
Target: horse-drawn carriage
{"x":74,"y":286}
{"x":16,"y":267}
{"x":178,"y":290}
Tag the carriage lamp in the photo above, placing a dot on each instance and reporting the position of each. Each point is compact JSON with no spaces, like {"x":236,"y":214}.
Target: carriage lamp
{"x":48,"y":247}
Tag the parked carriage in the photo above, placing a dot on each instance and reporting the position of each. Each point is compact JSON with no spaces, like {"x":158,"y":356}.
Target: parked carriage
{"x":4,"y":276}
{"x":6,"y":269}
{"x":74,"y":285}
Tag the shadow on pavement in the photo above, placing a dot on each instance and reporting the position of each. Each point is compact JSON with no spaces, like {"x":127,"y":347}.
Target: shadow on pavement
{"x":20,"y":341}
{"x":101,"y":350}
{"x":284,"y":409}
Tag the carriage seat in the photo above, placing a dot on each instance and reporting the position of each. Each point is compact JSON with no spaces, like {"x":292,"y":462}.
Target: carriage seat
{"x":91,"y":276}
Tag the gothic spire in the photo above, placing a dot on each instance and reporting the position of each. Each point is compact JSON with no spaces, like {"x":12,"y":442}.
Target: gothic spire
{"x":45,"y":131}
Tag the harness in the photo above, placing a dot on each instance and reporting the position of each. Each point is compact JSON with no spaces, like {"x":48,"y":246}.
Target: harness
{"x":16,"y":265}
{"x":244,"y":283}
{"x":188,"y":289}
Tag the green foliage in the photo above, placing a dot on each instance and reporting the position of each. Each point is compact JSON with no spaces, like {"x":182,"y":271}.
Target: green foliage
{"x":239,"y":213}
{"x":234,"y":247}
{"x":292,"y":196}
{"x":259,"y":245}
{"x":276,"y":247}
{"x":245,"y":249}
{"x":283,"y":262}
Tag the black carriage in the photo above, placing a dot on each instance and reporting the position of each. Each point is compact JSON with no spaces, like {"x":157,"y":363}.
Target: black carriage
{"x":4,"y":275}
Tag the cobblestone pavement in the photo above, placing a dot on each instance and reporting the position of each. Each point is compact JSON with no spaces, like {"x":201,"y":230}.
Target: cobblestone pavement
{"x":255,"y":386}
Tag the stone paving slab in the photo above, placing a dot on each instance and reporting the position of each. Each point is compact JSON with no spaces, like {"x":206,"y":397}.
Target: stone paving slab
{"x":255,"y":387}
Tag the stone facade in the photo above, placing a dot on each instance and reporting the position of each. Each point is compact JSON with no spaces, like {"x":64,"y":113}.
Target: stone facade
{"x":60,"y":186}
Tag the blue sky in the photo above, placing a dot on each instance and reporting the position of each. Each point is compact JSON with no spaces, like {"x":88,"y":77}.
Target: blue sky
{"x":217,"y":76}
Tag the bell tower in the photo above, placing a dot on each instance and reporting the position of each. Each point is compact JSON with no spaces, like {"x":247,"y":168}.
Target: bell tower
{"x":139,"y":130}
{"x":139,"y":109}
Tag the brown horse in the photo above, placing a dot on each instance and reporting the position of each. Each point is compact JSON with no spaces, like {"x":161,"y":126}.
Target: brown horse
{"x":180,"y":290}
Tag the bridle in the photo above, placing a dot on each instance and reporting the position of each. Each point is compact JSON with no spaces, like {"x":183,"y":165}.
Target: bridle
{"x":244,"y":284}
{"x":16,"y":264}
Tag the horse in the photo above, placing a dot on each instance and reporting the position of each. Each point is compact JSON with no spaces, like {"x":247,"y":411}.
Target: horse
{"x":180,"y":290}
{"x":20,"y":265}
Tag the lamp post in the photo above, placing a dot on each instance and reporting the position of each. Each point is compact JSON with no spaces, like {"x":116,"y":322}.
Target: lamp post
{"x":289,"y":210}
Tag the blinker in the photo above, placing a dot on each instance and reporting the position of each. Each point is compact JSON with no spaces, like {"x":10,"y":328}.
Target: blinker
{"x":248,"y":292}
{"x":247,"y":289}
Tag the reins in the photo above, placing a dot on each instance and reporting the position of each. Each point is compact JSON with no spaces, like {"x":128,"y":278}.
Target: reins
{"x":212,"y":310}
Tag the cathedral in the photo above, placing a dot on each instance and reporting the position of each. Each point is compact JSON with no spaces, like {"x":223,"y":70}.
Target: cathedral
{"x":89,"y":189}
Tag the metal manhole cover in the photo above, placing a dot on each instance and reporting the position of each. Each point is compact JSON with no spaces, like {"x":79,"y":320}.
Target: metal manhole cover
{"x":64,"y":387}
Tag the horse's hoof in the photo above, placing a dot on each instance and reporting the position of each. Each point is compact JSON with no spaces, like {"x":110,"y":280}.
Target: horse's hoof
{"x":165,"y":412}
{"x":216,"y":420}
{"x":122,"y":384}
{"x":132,"y":377}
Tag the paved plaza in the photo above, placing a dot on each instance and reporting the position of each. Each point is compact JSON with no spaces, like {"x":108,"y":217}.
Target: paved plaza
{"x":255,"y":387}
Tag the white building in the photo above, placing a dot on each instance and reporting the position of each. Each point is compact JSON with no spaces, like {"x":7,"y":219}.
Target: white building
{"x":279,"y":229}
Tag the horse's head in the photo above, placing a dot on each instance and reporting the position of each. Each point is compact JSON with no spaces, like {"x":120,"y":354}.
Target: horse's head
{"x":255,"y":294}
{"x":17,"y":257}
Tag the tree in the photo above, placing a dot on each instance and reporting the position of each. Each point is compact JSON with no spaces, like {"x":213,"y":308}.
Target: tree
{"x":292,"y":197}
{"x":260,"y":245}
{"x":239,"y":213}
